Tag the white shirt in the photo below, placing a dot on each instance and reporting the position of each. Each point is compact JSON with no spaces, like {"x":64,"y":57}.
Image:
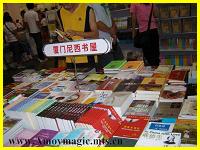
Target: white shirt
{"x":44,"y":22}
{"x":104,"y":16}
{"x":31,"y":17}
{"x":10,"y":37}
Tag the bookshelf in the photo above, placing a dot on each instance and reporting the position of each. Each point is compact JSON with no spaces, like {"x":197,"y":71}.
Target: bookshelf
{"x":180,"y":35}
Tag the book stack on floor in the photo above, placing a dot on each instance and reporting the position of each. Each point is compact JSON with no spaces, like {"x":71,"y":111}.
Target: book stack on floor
{"x":135,"y":105}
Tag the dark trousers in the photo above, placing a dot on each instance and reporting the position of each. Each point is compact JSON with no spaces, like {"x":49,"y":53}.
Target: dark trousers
{"x":151,"y":53}
{"x":38,"y":41}
{"x":17,"y":51}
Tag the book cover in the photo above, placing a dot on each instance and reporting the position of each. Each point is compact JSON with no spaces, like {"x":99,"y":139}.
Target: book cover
{"x":174,"y":11}
{"x":109,"y":84}
{"x":172,"y":93}
{"x":115,"y":65}
{"x":41,"y":138}
{"x":188,"y":130}
{"x":29,"y":92}
{"x":189,"y":109}
{"x":95,"y":77}
{"x":159,"y":126}
{"x":70,"y":97}
{"x":127,"y":85}
{"x":184,"y":10}
{"x":120,"y":101}
{"x":157,"y":81}
{"x":141,"y":108}
{"x":151,"y":138}
{"x":9,"y":123}
{"x":168,"y":109}
{"x":42,"y":85}
{"x":164,"y":12}
{"x":177,"y":75}
{"x":164,"y":69}
{"x":132,"y":127}
{"x":132,"y":65}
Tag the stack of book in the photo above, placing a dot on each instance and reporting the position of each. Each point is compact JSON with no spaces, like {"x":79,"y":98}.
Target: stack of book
{"x":120,"y":101}
{"x":150,"y":89}
{"x":11,"y":127}
{"x":19,"y":76}
{"x":23,"y":137}
{"x":132,"y":127}
{"x":173,"y":93}
{"x":61,"y":116}
{"x":177,"y":77}
{"x":189,"y":109}
{"x":27,"y":110}
{"x":114,"y":66}
{"x":133,"y":66}
{"x":106,"y":120}
{"x":130,"y":85}
{"x":142,"y":108}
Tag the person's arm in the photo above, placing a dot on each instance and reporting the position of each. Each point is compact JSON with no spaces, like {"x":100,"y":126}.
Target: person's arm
{"x":37,"y":20}
{"x":133,"y":24}
{"x":133,"y":18}
{"x":93,"y":26}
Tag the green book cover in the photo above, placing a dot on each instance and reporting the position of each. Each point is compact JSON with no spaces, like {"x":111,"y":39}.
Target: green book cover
{"x":116,"y":64}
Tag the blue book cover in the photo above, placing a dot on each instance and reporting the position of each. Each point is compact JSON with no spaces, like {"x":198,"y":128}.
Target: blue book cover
{"x":39,"y":95}
{"x":181,"y":60}
{"x":75,"y":134}
{"x":161,"y":127}
{"x":57,"y":139}
{"x":19,"y":105}
{"x":168,"y":120}
{"x":172,"y":60}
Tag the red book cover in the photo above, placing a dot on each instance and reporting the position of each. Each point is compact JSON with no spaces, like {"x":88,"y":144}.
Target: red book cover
{"x":107,"y":125}
{"x":177,"y":75}
{"x":132,"y":127}
{"x":56,"y":70}
{"x":110,"y":109}
{"x":109,"y":84}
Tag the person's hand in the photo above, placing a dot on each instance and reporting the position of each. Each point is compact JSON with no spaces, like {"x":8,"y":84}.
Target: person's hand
{"x":60,"y":39}
{"x":71,"y":33}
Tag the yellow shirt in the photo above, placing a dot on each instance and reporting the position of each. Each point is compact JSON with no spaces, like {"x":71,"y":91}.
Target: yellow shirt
{"x":75,"y":21}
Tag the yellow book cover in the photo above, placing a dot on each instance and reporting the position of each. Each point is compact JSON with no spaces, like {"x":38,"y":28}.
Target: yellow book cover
{"x":177,"y":60}
{"x":174,"y":11}
{"x":159,"y":81}
{"x":132,"y":65}
{"x":95,"y":77}
{"x":160,"y":75}
{"x":164,"y":12}
{"x":35,"y":105}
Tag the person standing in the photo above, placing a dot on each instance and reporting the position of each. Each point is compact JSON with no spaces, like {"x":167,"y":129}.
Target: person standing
{"x":108,"y":30}
{"x":141,"y":15}
{"x":78,"y":20}
{"x":32,"y":22}
{"x":11,"y":37}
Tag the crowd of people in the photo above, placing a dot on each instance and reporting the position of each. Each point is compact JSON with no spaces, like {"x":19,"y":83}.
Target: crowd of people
{"x":79,"y":21}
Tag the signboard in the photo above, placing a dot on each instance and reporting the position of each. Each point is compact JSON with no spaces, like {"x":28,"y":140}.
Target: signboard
{"x":76,"y":48}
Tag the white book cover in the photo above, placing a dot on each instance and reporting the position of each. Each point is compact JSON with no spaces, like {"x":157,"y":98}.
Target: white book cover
{"x":159,"y":139}
{"x":173,"y":93}
{"x":189,"y":110}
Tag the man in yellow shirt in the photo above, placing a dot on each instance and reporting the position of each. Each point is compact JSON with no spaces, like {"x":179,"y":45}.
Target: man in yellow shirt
{"x":79,"y":22}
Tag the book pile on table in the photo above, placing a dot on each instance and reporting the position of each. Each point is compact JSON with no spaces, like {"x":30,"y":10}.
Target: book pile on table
{"x":129,"y":105}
